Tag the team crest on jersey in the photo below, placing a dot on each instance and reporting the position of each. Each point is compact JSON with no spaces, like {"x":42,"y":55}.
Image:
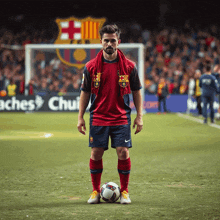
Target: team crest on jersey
{"x":91,"y":139}
{"x":97,"y":79}
{"x":123,"y":81}
{"x":78,"y":31}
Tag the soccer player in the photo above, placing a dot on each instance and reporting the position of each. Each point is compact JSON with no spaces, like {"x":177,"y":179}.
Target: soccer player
{"x":11,"y":88}
{"x":209,"y":85}
{"x":108,"y":79}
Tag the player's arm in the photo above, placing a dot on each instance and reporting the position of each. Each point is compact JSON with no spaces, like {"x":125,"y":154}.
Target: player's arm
{"x":84,"y":100}
{"x":137,"y":98}
{"x":83,"y":103}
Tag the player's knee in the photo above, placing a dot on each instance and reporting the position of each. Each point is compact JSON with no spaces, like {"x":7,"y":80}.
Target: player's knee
{"x":123,"y":153}
{"x":97,"y":153}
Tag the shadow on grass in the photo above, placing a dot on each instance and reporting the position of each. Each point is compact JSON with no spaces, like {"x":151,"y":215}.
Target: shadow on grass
{"x":59,"y":204}
{"x":43,"y":205}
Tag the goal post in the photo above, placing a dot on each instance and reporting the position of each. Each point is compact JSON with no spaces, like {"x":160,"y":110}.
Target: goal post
{"x":30,"y":50}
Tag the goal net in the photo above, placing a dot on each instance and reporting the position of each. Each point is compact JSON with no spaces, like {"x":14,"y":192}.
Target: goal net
{"x":63,"y":61}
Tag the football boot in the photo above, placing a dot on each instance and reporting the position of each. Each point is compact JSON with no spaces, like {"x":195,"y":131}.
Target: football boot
{"x":94,"y":198}
{"x":124,"y":198}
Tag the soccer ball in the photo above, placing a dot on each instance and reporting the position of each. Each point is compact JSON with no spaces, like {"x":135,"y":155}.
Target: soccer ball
{"x":110,"y":192}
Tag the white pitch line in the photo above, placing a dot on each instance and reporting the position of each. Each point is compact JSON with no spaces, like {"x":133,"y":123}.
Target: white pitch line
{"x":214,"y":125}
{"x":48,"y":135}
{"x":27,"y":136}
{"x":190,"y":118}
{"x":196,"y":120}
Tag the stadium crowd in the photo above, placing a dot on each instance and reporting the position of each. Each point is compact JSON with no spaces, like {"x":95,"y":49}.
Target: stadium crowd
{"x":170,"y":53}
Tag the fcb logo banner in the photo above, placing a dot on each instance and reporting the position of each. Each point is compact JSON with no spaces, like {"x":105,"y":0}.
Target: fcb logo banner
{"x":78,"y":31}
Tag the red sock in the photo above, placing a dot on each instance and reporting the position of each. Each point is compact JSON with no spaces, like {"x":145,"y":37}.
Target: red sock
{"x":124,"y":167}
{"x":96,"y":172}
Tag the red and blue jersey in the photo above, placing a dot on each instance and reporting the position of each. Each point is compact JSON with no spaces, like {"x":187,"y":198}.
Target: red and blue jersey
{"x":108,"y":106}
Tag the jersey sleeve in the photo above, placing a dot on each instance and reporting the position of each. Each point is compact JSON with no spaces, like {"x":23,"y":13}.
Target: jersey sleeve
{"x":86,"y":81}
{"x":134,"y":80}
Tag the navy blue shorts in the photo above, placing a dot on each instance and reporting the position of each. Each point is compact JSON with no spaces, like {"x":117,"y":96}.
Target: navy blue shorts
{"x":120,"y":136}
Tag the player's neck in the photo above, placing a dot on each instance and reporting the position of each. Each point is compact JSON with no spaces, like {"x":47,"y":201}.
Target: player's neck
{"x":208,"y":73}
{"x":110,"y":57}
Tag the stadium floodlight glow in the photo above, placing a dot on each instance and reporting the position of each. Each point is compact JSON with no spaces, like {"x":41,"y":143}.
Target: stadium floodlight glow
{"x":30,"y":48}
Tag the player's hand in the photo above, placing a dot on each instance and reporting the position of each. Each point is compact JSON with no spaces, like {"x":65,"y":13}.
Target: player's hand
{"x":139,"y":122}
{"x":81,"y":126}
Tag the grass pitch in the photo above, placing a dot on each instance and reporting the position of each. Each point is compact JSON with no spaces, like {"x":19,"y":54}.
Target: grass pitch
{"x":44,"y":169}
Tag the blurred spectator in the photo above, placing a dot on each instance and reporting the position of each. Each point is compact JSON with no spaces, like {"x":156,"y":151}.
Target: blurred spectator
{"x":148,"y":86}
{"x":32,"y":87}
{"x":216,"y":58}
{"x":44,"y":89}
{"x":62,"y":91}
{"x":191,"y":86}
{"x":11,"y":88}
{"x":68,"y":85}
{"x":56,"y":86}
{"x":160,"y":61}
{"x":170,"y":86}
{"x":55,"y":62}
{"x":198,"y":92}
{"x":76,"y":83}
{"x":183,"y":87}
{"x":167,"y":59}
{"x":175,"y":88}
{"x":21,"y":84}
{"x":162,"y":93}
{"x":159,"y":47}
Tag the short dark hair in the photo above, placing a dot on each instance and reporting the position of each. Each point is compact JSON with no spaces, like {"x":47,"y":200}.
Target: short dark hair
{"x":110,"y":29}
{"x":208,"y":67}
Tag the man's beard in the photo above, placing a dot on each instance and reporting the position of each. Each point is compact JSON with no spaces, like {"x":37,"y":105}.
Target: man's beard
{"x":109,"y":50}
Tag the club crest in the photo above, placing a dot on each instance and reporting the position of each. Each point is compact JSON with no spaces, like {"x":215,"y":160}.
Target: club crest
{"x":91,"y":139}
{"x":123,"y":81}
{"x":97,"y":79}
